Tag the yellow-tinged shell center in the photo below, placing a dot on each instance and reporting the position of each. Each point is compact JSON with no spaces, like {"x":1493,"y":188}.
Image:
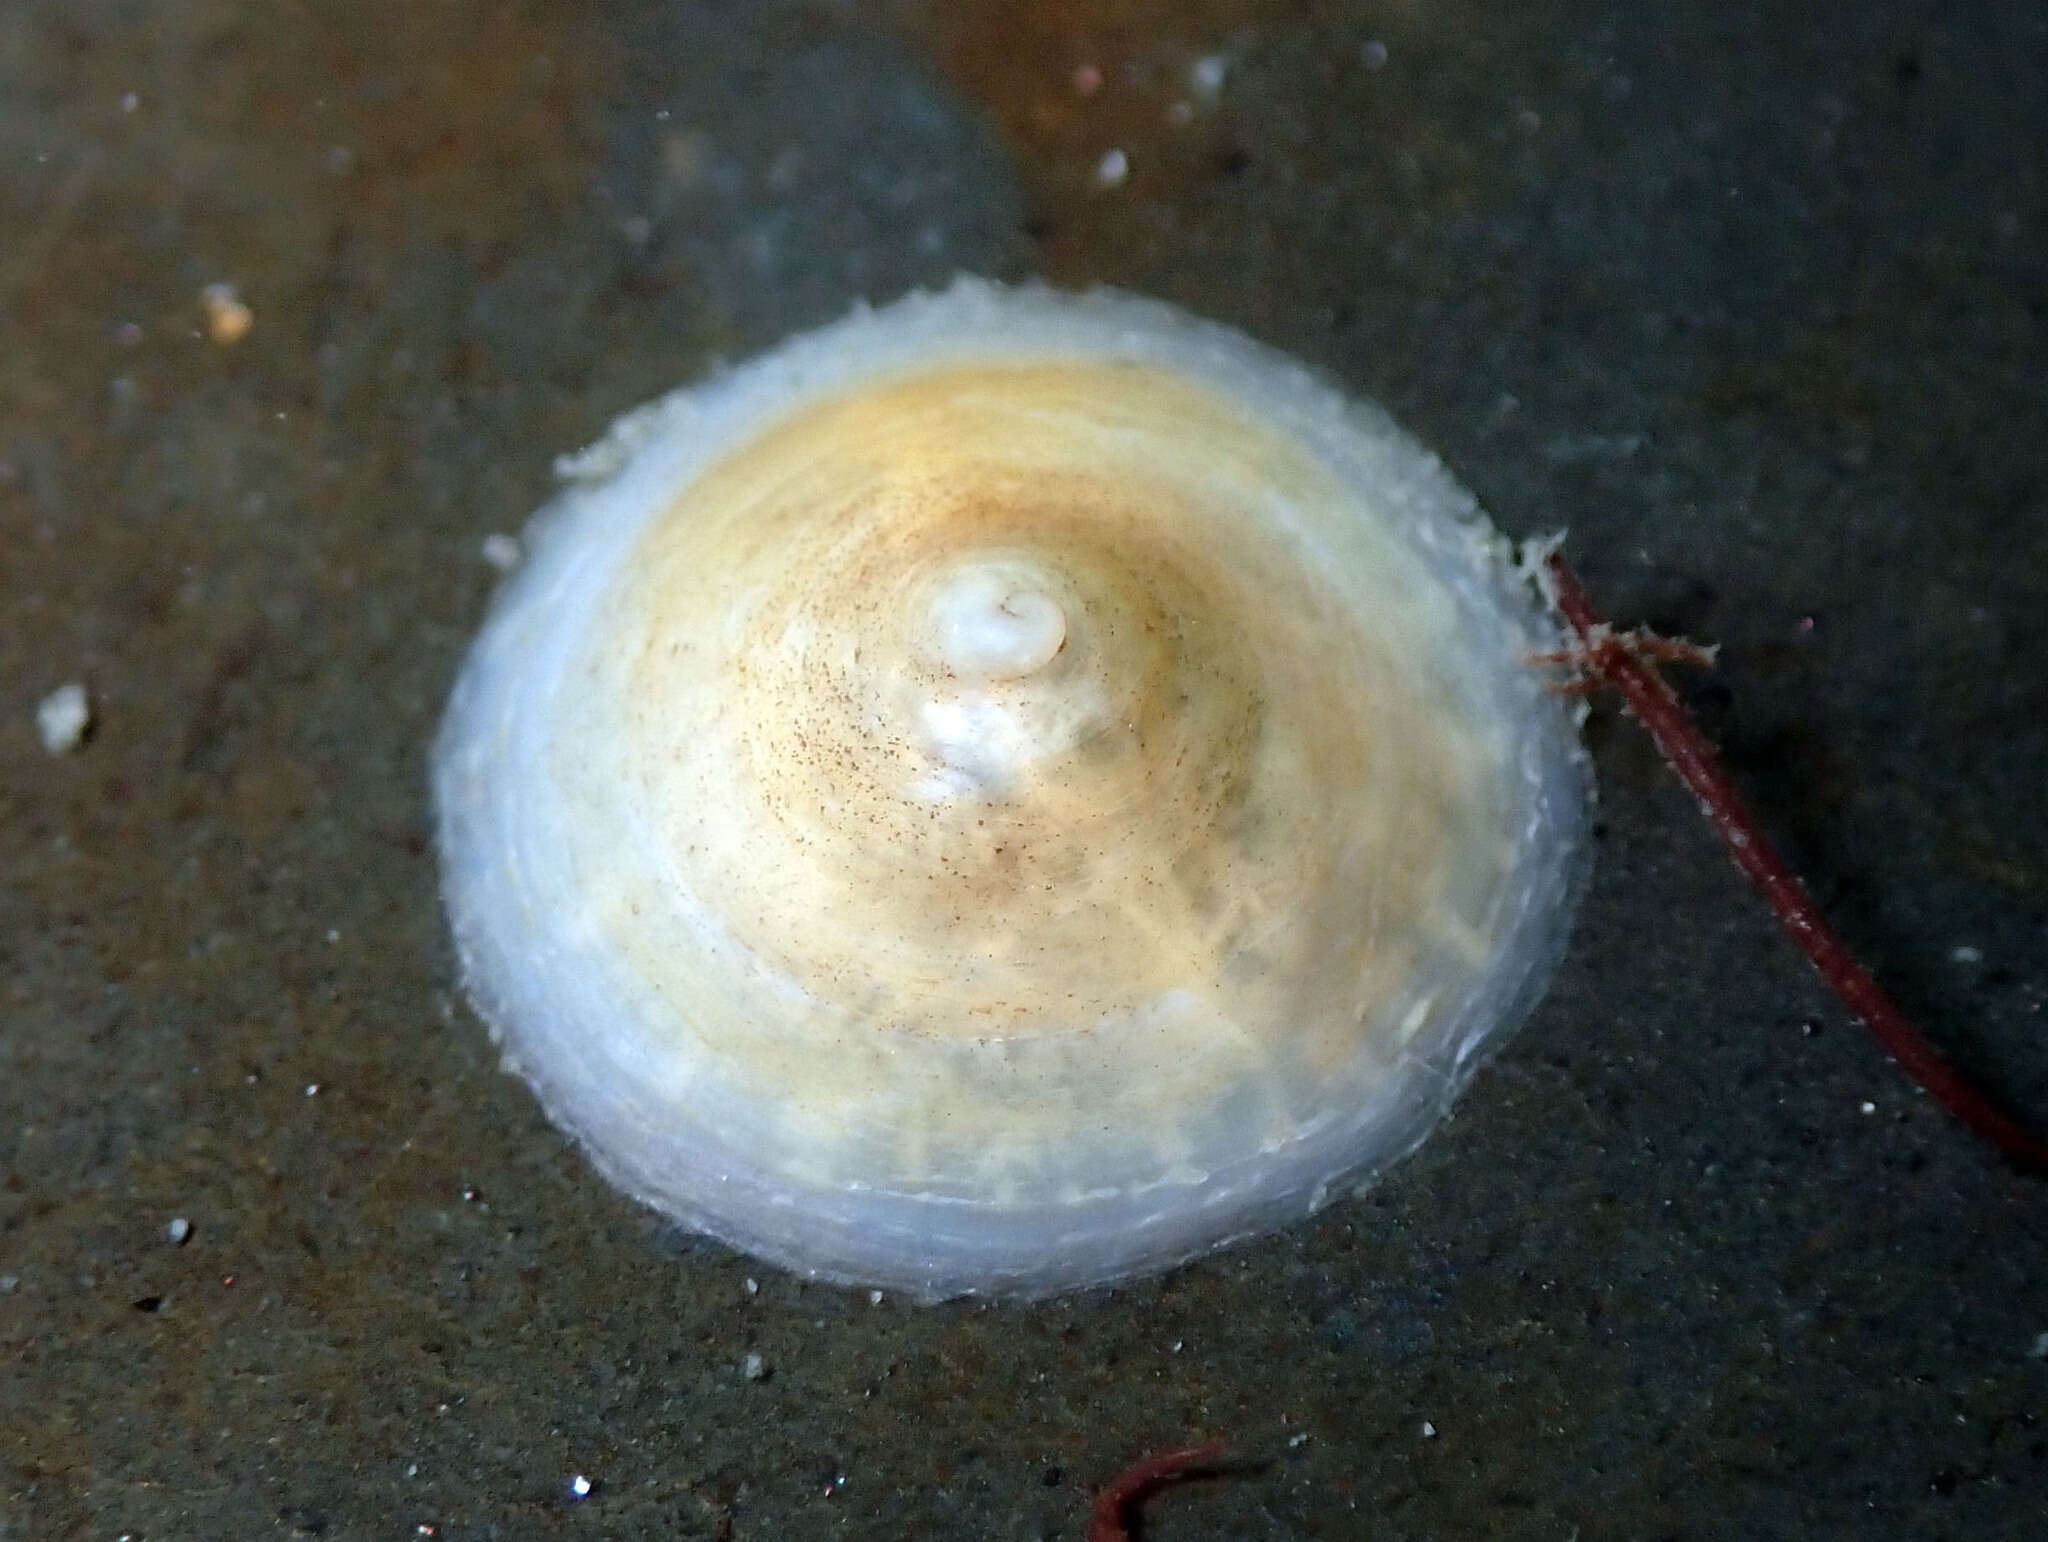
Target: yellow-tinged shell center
{"x":974,"y":707}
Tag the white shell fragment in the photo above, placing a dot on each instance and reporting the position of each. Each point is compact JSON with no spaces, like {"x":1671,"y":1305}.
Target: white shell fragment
{"x":62,"y":718}
{"x":1006,"y":792}
{"x":501,"y":551}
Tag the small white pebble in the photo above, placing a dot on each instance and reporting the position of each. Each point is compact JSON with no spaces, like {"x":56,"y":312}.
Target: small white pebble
{"x":333,"y":935}
{"x":63,"y":716}
{"x":1113,"y":170}
{"x":753,"y":1286}
{"x":1176,"y":1346}
{"x":412,"y":1470}
{"x":178,"y":1231}
{"x":2038,"y":1352}
{"x":1867,"y":1107}
{"x":502,"y":551}
{"x":1967,"y":954}
{"x":130,"y":101}
{"x":312,"y":1089}
{"x":227,"y":319}
{"x":10,"y":1283}
{"x":1428,"y":1430}
{"x":1206,"y":75}
{"x":874,"y":1298}
{"x":579,"y":1487}
{"x":1296,"y":1441}
{"x":754,"y":1368}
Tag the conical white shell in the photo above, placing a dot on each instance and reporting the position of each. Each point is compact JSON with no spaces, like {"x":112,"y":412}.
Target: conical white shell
{"x":1006,"y":792}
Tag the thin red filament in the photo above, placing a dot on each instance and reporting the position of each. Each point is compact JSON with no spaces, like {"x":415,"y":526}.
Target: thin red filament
{"x":1128,"y":1489}
{"x":1616,"y":660}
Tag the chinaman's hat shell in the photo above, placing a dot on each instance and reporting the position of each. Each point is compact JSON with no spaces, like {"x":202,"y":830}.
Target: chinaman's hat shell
{"x":1005,"y":792}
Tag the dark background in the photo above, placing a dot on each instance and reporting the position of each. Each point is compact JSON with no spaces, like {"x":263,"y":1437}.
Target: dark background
{"x":1749,"y":296}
